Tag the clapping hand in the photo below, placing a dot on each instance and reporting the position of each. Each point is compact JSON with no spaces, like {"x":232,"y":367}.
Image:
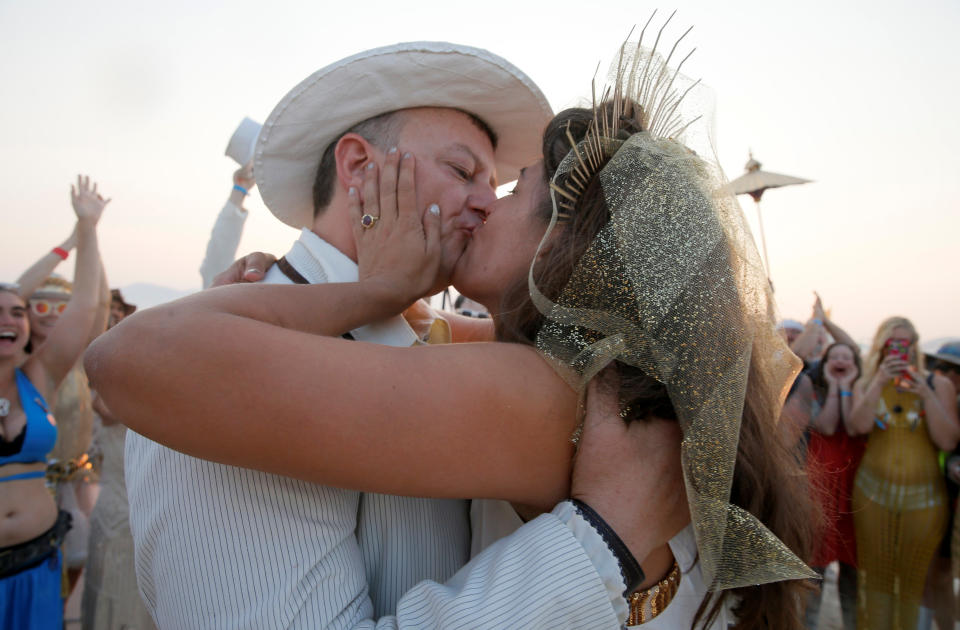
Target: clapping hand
{"x":88,"y":204}
{"x":818,"y":312}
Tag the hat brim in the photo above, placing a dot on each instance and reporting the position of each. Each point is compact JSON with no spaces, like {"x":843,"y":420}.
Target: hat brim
{"x":51,"y":294}
{"x":374,"y":82}
{"x":946,"y":358}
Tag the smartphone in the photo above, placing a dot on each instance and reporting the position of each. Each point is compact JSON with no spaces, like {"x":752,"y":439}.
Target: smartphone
{"x":901,"y":350}
{"x":898,"y":348}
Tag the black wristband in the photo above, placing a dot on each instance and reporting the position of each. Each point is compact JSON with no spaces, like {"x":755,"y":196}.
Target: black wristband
{"x":629,"y":567}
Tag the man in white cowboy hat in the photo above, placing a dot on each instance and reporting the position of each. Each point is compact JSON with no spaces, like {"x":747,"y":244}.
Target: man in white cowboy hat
{"x":225,"y":547}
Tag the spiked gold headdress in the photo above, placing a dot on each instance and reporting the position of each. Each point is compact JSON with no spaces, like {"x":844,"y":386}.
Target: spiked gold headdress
{"x":672,"y":285}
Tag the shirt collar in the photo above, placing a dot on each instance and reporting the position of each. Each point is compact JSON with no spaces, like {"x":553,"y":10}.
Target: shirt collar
{"x":311,"y":254}
{"x":319,"y":261}
{"x":684,"y":548}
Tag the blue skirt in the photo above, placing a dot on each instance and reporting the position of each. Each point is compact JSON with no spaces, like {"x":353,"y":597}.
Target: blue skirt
{"x":30,"y":600}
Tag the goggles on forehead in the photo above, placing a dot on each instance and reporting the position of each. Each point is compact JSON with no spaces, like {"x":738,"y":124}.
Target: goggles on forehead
{"x":48,"y":307}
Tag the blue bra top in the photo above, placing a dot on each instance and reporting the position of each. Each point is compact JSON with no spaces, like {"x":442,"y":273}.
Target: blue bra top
{"x":39,"y":433}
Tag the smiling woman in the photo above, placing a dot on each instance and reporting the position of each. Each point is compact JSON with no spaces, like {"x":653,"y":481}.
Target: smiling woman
{"x":824,"y":401}
{"x":31,"y":529}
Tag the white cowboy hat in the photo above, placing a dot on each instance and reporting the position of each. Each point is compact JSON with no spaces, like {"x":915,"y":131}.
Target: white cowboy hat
{"x":414,"y":74}
{"x":243,"y":142}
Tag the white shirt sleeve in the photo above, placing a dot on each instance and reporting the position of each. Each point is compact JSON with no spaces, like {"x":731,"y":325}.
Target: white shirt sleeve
{"x":554,"y":572}
{"x":223,"y":243}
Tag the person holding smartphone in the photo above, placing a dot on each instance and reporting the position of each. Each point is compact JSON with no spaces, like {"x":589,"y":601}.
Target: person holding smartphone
{"x":899,"y":496}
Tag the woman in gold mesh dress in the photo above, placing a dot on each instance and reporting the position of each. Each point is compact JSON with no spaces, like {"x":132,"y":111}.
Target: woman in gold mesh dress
{"x":899,"y":497}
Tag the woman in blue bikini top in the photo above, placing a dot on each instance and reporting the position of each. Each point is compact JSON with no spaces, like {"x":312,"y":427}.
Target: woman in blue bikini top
{"x":28,"y":381}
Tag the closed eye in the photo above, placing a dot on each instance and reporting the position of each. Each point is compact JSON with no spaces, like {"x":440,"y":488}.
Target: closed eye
{"x":461,"y":172}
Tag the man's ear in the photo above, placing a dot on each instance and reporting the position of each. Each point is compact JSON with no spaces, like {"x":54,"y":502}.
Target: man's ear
{"x":352,"y":153}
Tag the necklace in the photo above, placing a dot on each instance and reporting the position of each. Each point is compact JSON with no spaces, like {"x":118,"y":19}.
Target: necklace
{"x":650,"y":602}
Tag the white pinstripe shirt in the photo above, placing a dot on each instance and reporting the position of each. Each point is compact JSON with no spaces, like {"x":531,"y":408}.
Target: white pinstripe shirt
{"x":225,"y":547}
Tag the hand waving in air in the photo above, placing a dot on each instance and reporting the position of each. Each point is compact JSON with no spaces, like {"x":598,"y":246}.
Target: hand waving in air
{"x":88,"y":204}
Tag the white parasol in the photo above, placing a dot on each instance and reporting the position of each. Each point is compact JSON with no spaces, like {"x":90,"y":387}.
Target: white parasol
{"x":754,"y":182}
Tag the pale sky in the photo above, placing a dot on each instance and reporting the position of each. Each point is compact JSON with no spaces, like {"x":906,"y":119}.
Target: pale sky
{"x":861,"y":97}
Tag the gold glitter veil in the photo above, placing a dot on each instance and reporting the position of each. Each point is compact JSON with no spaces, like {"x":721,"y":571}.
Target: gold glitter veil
{"x":674,"y":286}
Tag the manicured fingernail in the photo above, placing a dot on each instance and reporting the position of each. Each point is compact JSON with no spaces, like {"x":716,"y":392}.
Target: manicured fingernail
{"x":370,"y":166}
{"x":434,"y":209}
{"x":251,"y":270}
{"x":392,"y":150}
{"x":352,"y":191}
{"x":407,"y":155}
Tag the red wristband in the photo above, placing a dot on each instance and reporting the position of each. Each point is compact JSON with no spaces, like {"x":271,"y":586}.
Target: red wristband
{"x":61,"y":252}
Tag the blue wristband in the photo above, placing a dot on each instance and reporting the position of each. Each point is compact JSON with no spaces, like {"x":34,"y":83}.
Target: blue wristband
{"x":241,"y":189}
{"x":844,"y":394}
{"x":817,"y":321}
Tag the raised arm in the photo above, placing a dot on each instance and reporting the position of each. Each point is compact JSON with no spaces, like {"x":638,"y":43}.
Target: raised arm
{"x":103,"y":305}
{"x":66,"y":342}
{"x":228,"y":227}
{"x":39,"y":271}
{"x":838,"y":334}
{"x":809,"y":343}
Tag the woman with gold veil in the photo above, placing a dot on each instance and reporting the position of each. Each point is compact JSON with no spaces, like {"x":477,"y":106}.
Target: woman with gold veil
{"x":899,"y":497}
{"x":642,"y":260}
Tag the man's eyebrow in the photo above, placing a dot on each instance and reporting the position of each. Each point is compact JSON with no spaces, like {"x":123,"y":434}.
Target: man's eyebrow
{"x":477,"y":161}
{"x":462,"y":147}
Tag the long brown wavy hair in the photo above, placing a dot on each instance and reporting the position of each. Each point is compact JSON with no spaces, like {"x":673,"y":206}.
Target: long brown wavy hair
{"x":768,"y":480}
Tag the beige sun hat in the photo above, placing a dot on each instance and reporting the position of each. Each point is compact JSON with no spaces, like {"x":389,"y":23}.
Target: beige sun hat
{"x":413,"y":74}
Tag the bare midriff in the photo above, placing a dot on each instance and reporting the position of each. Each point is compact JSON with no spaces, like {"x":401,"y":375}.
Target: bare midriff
{"x":27,"y":508}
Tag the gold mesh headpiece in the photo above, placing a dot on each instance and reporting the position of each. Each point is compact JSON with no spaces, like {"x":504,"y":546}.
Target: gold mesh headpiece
{"x":672,"y":285}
